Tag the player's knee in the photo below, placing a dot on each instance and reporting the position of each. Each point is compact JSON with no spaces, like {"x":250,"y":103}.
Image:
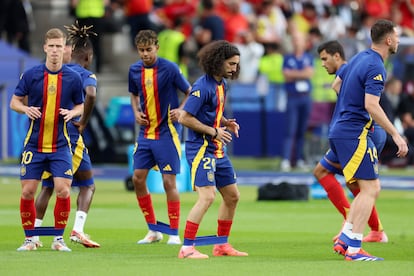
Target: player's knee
{"x":28,"y":194}
{"x":319,"y":171}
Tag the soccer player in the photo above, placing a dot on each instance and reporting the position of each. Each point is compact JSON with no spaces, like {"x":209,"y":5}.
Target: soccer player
{"x":333,"y":59}
{"x":153,"y":85}
{"x":81,"y":57}
{"x":211,"y":168}
{"x":53,"y":99}
{"x":356,"y":109}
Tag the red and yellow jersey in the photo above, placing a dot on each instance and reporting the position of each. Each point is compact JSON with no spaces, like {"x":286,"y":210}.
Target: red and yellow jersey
{"x":50,"y":91}
{"x":157,"y":88}
{"x":206,"y":103}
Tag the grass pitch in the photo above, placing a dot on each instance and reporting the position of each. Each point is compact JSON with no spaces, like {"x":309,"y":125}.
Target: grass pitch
{"x":281,"y":237}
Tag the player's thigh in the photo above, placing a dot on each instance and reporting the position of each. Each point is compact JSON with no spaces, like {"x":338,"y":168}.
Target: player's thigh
{"x":167,"y":156}
{"x":33,"y":164}
{"x":358,"y":158}
{"x":143,"y":155}
{"x":60,"y":164}
{"x":202,"y":167}
{"x":225,"y":174}
{"x":330,"y":162}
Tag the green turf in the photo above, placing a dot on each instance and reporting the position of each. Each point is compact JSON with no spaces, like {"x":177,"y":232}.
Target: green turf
{"x":282,"y":238}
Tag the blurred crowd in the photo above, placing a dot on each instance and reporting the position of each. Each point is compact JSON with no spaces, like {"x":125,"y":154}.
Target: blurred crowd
{"x":265,"y":31}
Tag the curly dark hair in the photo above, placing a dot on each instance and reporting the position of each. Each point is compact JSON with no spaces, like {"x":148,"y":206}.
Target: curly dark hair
{"x":212,"y":56}
{"x":79,"y":37}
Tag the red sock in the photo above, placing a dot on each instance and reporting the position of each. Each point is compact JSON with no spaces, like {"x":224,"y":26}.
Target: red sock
{"x":335,"y":193}
{"x":27,"y":213}
{"x":373,"y":222}
{"x":174,"y":213}
{"x":191,"y":229}
{"x":62,"y":211}
{"x":145,"y":203}
{"x":224,"y":227}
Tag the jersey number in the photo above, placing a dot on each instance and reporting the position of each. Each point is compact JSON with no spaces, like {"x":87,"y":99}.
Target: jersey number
{"x":373,"y":155}
{"x":209,"y":163}
{"x":27,"y":157}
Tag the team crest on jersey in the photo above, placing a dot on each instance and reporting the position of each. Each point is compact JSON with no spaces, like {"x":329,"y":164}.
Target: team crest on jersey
{"x":148,"y":83}
{"x":210,"y":176}
{"x":23,"y":170}
{"x":51,"y":89}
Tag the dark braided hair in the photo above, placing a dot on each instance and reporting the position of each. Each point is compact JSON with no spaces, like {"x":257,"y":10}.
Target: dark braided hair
{"x":212,"y":56}
{"x":80,"y":39}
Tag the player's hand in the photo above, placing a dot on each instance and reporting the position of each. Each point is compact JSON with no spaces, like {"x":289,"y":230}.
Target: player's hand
{"x":67,"y":114}
{"x":33,"y":112}
{"x":233,"y":126}
{"x":175,"y":114}
{"x":79,"y":126}
{"x":141,"y":118}
{"x":223,"y":135}
{"x":401,"y":144}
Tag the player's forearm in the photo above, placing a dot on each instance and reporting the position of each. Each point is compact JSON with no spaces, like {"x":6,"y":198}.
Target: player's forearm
{"x":17,"y":104}
{"x":188,"y":120}
{"x":77,"y":110}
{"x":88,"y":108}
{"x":224,"y":121}
{"x":135,"y":105}
{"x":379,"y":116}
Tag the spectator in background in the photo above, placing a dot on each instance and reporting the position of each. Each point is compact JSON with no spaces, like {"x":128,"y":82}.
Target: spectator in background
{"x":377,"y":9}
{"x":250,"y":54}
{"x":406,"y":112}
{"x":330,"y":24}
{"x":390,"y":101}
{"x":271,"y":66}
{"x":271,"y":23}
{"x":172,"y":46}
{"x":234,"y":20}
{"x":298,"y":71}
{"x":19,"y":23}
{"x":351,"y":44}
{"x":92,"y":12}
{"x":173,"y":9}
{"x":306,"y":19}
{"x":210,"y":26}
{"x":402,"y":12}
{"x":137,"y":14}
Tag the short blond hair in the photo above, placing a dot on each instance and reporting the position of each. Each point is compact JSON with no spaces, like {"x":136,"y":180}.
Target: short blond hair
{"x":55,"y":33}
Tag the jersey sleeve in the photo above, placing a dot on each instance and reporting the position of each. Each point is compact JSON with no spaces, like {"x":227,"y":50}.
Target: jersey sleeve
{"x":179,"y":80}
{"x":375,"y":80}
{"x":195,"y":100}
{"x":132,"y":83}
{"x":21,"y":88}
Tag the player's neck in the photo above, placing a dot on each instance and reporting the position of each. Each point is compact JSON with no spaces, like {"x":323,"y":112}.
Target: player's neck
{"x":53,"y":67}
{"x":382,"y":51}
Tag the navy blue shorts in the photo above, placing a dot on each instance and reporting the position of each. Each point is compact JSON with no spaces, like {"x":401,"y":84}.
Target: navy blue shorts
{"x":162,"y":153}
{"x":207,"y":170}
{"x":358,"y":158}
{"x":34,"y":163}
